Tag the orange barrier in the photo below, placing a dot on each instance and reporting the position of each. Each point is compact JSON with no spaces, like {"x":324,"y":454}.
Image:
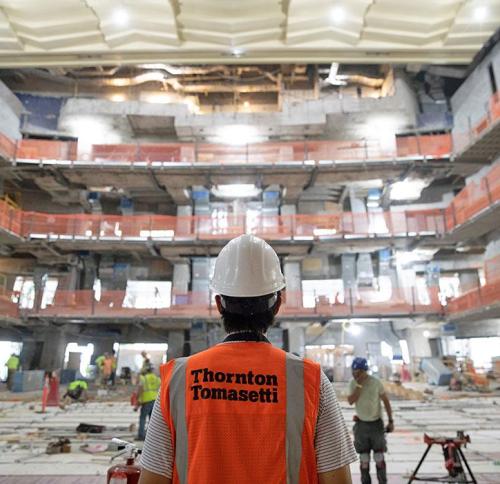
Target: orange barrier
{"x":365,"y":301}
{"x":475,"y":197}
{"x":464,"y":139}
{"x":427,"y":144}
{"x":39,"y":149}
{"x":205,"y":227}
{"x":492,"y":269}
{"x":476,"y":298}
{"x":8,"y":308}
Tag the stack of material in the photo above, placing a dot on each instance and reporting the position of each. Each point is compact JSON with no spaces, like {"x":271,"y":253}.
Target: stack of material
{"x":496,"y":367}
{"x":397,"y":390}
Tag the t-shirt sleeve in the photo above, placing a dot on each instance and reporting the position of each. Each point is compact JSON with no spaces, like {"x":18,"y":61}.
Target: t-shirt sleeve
{"x":157,"y":453}
{"x":333,"y":443}
{"x":352,"y":385}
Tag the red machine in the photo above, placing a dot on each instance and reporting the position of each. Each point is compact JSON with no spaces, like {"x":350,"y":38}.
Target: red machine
{"x":454,"y":459}
{"x":128,"y":472}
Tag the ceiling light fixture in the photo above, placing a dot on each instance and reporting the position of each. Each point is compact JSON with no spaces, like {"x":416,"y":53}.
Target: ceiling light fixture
{"x":236,"y":190}
{"x":121,"y":17}
{"x":337,"y":15}
{"x":480,"y":13}
{"x":407,"y":189}
{"x":237,"y":135}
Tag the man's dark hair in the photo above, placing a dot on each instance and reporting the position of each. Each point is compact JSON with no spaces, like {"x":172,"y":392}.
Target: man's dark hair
{"x":248,"y":313}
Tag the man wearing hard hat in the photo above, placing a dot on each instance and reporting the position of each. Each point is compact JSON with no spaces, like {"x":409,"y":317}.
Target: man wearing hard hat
{"x":244,"y":411}
{"x":366,"y":392}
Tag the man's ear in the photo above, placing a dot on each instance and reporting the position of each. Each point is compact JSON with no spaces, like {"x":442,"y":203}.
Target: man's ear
{"x":277,"y":305}
{"x":218,"y":301}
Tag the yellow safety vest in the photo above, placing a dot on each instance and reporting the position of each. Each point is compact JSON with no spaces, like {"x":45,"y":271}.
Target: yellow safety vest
{"x":150,"y":385}
{"x":78,"y":383}
{"x":13,"y":363}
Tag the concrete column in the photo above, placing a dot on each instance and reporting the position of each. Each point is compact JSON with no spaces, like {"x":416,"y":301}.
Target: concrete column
{"x":30,"y":354}
{"x":292,"y":273}
{"x":296,"y":338}
{"x":54,"y":347}
{"x":468,"y":281}
{"x":184,"y":225}
{"x":198,"y":337}
{"x":175,"y":340}
{"x":89,"y":273}
{"x":39,"y":277}
{"x":180,"y":280}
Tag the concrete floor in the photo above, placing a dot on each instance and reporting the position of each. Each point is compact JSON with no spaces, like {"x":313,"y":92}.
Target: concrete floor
{"x":24,"y":435}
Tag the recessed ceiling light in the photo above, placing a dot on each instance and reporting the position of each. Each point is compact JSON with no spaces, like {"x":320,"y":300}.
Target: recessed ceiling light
{"x":121,"y":17}
{"x":237,"y":52}
{"x":337,"y":14}
{"x":480,"y":13}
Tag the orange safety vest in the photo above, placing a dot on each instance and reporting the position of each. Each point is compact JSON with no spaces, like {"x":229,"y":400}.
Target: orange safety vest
{"x":242,"y":412}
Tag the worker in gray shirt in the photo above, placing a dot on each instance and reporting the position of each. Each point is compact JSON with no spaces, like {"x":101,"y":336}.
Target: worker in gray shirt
{"x":366,"y":392}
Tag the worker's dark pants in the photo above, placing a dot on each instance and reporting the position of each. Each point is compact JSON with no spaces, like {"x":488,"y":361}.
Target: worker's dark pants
{"x":370,"y":436}
{"x":10,"y":378}
{"x":146,"y":411}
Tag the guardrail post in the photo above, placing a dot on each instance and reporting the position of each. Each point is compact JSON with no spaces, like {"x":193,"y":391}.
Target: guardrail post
{"x":419,"y":146}
{"x":366,"y":148}
{"x":488,"y":192}
{"x":351,"y":303}
{"x":92,"y":306}
{"x":413,"y":300}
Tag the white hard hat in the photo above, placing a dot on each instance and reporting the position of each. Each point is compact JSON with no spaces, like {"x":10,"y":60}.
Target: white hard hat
{"x":247,"y":267}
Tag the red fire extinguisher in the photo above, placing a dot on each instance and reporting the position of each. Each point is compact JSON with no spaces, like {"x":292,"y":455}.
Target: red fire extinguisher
{"x":128,"y":472}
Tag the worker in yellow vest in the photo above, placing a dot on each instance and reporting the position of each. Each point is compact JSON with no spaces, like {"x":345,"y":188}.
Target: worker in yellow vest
{"x":13,"y":364}
{"x":149,"y":384}
{"x":76,"y":392}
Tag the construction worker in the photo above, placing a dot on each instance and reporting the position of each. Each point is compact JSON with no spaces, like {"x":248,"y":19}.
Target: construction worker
{"x":366,"y":392}
{"x":146,"y":360}
{"x":245,"y":411}
{"x":99,"y":363}
{"x":76,"y":392}
{"x":147,"y":391}
{"x":13,"y":364}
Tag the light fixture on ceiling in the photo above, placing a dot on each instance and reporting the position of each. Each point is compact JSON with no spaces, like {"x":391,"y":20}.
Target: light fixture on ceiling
{"x":426,"y":333}
{"x":237,"y":135}
{"x":236,"y":52}
{"x":407,"y":189}
{"x":337,"y":14}
{"x":236,"y":190}
{"x":480,"y":13}
{"x":121,"y":17}
{"x":117,"y":98}
{"x":246,"y":104}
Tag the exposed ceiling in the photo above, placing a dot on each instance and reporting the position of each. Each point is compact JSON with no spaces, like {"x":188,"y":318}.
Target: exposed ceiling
{"x":89,"y":32}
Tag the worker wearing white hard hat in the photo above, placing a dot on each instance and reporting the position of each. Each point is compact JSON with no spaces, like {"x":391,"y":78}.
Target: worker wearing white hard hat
{"x":245,"y":411}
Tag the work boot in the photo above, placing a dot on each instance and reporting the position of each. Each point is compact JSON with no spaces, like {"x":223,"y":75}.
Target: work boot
{"x":365,"y":476}
{"x":382,"y":474}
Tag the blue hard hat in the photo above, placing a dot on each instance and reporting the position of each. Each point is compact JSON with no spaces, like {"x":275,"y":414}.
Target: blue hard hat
{"x":359,"y":364}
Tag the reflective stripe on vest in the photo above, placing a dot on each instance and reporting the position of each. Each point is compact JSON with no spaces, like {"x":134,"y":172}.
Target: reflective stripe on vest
{"x":178,"y":411}
{"x":288,"y":444}
{"x":150,"y":385}
{"x":294,"y":416}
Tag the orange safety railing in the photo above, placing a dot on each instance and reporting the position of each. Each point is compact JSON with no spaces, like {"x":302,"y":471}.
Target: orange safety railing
{"x":205,"y":227}
{"x":474,"y":198}
{"x":437,"y":145}
{"x":8,"y":308}
{"x":266,"y":152}
{"x":365,"y":301}
{"x":479,"y":298}
{"x":39,"y":149}
{"x":464,"y":139}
